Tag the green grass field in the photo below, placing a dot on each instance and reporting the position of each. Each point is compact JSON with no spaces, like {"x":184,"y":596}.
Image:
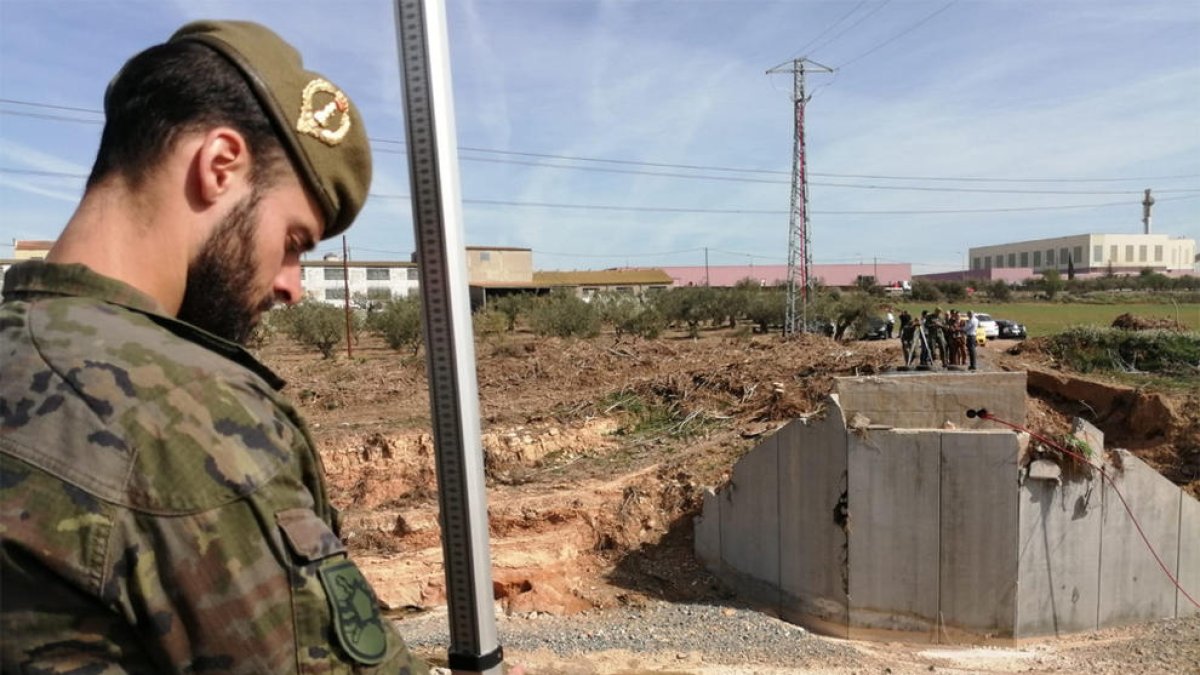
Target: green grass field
{"x":1044,"y":318}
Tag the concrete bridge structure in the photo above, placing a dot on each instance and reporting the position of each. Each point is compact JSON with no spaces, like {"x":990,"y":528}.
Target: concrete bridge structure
{"x":893,"y":515}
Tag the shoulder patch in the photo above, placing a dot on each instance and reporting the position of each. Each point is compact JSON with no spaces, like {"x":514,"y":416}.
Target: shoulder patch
{"x":355,"y":610}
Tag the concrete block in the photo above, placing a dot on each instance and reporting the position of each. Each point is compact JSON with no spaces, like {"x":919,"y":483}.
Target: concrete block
{"x":812,"y":538}
{"x":1132,"y":585}
{"x":894,"y":531}
{"x":1045,"y":470}
{"x":979,"y":529}
{"x":706,"y":532}
{"x":1189,"y":555}
{"x":1058,"y":567}
{"x":928,"y":401}
{"x":750,"y":515}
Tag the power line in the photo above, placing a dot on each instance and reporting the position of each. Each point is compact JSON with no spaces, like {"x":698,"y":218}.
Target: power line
{"x":847,"y":29}
{"x":801,"y":51}
{"x":664,"y":209}
{"x":902,"y":188}
{"x":42,"y":116}
{"x":35,"y":172}
{"x":50,"y":106}
{"x":665,"y":165}
{"x":899,"y":35}
{"x":734,"y":179}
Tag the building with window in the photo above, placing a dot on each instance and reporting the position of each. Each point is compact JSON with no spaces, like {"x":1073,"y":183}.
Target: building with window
{"x":325,"y":280}
{"x":587,"y":283}
{"x":499,"y":265}
{"x":496,"y":271}
{"x":1091,"y":254}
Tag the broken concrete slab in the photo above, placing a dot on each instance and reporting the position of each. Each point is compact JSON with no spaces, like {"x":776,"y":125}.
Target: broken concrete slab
{"x":1045,"y":469}
{"x":928,"y":401}
{"x":813,"y":536}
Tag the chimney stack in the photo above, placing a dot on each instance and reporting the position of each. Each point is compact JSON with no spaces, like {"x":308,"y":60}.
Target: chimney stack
{"x":1146,"y":204}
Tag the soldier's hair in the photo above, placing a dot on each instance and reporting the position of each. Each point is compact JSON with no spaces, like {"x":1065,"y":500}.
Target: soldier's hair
{"x":171,"y":89}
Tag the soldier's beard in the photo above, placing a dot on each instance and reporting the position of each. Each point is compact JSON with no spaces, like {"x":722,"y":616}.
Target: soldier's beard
{"x":220,"y":296}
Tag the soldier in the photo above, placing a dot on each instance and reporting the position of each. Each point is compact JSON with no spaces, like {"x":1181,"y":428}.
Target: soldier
{"x":907,"y":332}
{"x":935,"y":332}
{"x":164,"y":509}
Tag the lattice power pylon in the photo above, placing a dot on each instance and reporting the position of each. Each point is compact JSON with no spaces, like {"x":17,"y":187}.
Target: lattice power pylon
{"x":799,"y":241}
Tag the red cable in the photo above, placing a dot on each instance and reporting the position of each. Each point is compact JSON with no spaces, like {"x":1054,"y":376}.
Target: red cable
{"x":984,"y":414}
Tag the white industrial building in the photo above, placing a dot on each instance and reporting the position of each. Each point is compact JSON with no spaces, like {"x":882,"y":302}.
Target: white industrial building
{"x":1092,"y":253}
{"x":326,"y":280}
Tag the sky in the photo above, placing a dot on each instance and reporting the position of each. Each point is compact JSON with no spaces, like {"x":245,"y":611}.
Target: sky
{"x":946,"y":124}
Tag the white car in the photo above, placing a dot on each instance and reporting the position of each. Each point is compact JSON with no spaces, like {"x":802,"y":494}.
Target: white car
{"x":988,"y":324}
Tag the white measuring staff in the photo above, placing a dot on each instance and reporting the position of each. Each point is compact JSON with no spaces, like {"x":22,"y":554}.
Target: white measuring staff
{"x":449,"y":340}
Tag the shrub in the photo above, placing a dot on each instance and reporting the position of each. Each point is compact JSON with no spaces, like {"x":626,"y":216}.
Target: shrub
{"x":648,"y":323}
{"x":315,"y":324}
{"x":855,"y":311}
{"x":562,"y":314}
{"x":399,"y":323}
{"x":1051,"y":283}
{"x":489,"y":322}
{"x":690,"y":305}
{"x":925,"y":291}
{"x":1156,"y":351}
{"x":767,"y":307}
{"x":512,"y":307}
{"x":953,"y":291}
{"x":616,"y":309}
{"x":999,"y":290}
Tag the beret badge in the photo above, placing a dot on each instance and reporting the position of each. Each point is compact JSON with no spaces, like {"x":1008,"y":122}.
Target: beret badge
{"x":324,"y":112}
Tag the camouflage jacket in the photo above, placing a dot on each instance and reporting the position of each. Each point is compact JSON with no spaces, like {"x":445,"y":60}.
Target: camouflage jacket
{"x":162,"y":508}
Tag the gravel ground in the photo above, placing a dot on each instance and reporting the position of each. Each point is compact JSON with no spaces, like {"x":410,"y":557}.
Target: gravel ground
{"x":679,"y":638}
{"x":717,"y":634}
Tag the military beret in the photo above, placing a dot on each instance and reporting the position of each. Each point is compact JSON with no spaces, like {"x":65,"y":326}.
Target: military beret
{"x":323,"y":133}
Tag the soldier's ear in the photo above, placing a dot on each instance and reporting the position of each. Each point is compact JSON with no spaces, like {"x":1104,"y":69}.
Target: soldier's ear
{"x":223,"y":165}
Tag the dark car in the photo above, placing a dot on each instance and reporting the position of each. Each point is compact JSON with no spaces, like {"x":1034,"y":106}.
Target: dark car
{"x":1010,"y":330}
{"x":876,"y":330}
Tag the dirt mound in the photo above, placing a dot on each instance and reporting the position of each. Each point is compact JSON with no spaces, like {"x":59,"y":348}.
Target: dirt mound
{"x":1132,"y":322}
{"x":1164,"y":433}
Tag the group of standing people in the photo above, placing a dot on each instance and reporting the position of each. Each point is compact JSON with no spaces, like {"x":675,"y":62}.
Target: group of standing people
{"x":945,"y":337}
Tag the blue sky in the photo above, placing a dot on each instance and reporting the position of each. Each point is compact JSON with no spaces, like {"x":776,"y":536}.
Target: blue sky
{"x":1033,"y":89}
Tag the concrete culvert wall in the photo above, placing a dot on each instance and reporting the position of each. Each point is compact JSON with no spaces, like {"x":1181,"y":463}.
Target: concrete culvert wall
{"x":863,"y":528}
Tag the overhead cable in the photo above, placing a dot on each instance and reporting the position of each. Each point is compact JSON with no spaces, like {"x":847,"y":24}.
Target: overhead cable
{"x":666,"y":165}
{"x":899,"y":35}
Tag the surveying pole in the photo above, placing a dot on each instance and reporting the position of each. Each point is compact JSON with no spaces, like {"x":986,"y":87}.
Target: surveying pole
{"x":799,"y":241}
{"x":449,"y":341}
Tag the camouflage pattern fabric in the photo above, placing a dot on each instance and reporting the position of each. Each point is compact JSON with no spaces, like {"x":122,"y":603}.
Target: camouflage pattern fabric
{"x":162,"y":508}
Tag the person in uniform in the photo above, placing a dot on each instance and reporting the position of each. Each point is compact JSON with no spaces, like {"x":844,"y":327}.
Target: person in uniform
{"x":163,"y":507}
{"x":935,"y":332}
{"x":907,"y":333}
